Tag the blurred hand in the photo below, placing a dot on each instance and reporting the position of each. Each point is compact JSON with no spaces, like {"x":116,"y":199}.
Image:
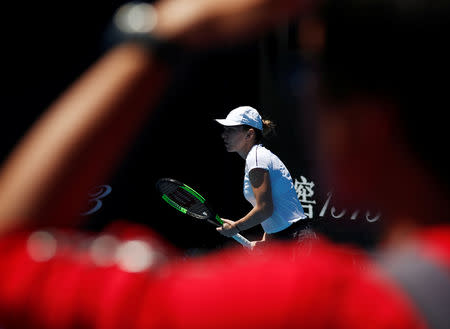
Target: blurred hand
{"x":202,"y":23}
{"x":228,"y":228}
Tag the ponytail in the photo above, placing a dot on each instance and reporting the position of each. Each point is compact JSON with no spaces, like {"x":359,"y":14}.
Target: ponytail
{"x":267,"y":132}
{"x":269,"y":129}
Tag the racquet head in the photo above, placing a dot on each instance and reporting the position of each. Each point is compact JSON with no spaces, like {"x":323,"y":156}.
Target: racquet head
{"x":186,"y":200}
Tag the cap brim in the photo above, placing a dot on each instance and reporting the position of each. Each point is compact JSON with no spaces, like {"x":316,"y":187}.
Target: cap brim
{"x":228,"y":123}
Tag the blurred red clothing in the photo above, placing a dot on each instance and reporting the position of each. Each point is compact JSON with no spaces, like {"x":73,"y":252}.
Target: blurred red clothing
{"x":281,"y":286}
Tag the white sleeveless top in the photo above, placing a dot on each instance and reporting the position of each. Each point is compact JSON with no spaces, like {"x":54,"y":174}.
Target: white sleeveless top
{"x":286,"y":206}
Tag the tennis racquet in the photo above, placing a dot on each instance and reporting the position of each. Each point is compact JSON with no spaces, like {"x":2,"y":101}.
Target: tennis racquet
{"x":189,"y":202}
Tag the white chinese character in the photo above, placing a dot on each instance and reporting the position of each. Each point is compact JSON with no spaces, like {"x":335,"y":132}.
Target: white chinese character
{"x":305,"y":191}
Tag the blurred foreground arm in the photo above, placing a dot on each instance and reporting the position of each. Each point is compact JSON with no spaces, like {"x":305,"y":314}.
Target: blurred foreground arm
{"x":75,"y":144}
{"x":78,"y":141}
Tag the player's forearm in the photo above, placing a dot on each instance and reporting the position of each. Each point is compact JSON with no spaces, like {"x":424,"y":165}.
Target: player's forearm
{"x":255,"y":217}
{"x":79,"y":139}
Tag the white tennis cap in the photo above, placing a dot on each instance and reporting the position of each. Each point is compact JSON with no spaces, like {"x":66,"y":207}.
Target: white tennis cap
{"x":243,"y":115}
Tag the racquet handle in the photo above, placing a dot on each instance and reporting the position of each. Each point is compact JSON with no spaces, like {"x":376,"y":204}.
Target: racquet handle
{"x":239,"y":238}
{"x":243,"y":241}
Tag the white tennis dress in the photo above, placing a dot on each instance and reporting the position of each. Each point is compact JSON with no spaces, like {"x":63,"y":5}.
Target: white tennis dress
{"x":286,"y":206}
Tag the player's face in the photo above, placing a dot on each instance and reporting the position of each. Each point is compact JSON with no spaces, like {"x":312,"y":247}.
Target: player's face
{"x":234,"y":138}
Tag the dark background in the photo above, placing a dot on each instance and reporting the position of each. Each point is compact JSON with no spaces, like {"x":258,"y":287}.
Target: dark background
{"x":45,"y":47}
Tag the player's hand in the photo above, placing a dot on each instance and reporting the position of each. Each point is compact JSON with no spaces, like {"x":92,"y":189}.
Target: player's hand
{"x":203,"y":23}
{"x":260,"y":243}
{"x":228,"y":228}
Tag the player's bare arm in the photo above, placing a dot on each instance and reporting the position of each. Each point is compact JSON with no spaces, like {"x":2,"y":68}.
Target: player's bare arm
{"x":260,"y":181}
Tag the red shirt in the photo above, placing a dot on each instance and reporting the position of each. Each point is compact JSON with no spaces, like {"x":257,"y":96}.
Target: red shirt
{"x":282,"y":286}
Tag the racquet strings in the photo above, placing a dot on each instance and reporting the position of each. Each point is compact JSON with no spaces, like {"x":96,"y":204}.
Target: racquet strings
{"x":185,"y":199}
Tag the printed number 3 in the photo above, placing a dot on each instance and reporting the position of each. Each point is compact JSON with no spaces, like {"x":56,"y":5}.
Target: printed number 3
{"x":98,"y":193}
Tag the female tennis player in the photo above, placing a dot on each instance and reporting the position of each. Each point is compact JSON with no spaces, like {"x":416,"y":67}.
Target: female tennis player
{"x":267,"y":182}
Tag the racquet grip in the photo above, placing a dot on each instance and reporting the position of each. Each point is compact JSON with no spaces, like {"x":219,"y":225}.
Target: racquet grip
{"x":243,"y":241}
